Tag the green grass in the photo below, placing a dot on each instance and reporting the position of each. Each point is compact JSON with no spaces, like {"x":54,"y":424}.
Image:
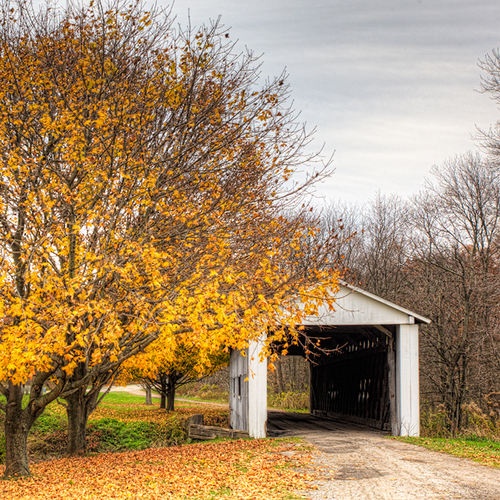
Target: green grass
{"x":122,"y":398}
{"x":479,"y":449}
{"x":121,"y":422}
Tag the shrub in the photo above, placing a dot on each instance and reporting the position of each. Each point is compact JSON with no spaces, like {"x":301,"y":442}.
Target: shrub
{"x":109,"y":434}
{"x":479,"y":424}
{"x":434,"y":423}
{"x":289,"y":400}
{"x":476,"y":423}
{"x":49,"y":422}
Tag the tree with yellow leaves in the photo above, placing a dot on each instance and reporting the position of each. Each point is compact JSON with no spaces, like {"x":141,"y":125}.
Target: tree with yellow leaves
{"x":170,"y":362}
{"x":144,"y":179}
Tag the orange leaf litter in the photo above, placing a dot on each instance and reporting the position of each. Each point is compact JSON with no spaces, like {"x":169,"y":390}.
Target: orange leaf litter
{"x":246,"y":469}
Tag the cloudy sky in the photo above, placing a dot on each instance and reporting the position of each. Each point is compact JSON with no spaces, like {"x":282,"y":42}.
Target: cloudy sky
{"x":390,"y":85}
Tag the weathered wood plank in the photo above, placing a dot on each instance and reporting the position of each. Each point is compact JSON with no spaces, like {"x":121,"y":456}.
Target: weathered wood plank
{"x":193,"y":419}
{"x":369,"y":422}
{"x":391,"y":364}
{"x":206,"y":432}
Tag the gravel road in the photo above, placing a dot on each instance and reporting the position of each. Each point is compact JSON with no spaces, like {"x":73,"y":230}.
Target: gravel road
{"x":360,"y":464}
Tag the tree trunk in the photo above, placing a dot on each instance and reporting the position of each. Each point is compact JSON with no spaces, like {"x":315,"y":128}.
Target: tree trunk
{"x":149,"y":397}
{"x":80,"y":406}
{"x":16,"y":449}
{"x":18,"y":423}
{"x":162,"y":377}
{"x":77,"y":422}
{"x":171,"y":386}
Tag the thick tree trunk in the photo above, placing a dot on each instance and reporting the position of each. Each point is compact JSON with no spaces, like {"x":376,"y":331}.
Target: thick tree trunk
{"x":149,"y":398}
{"x":80,"y":406}
{"x":77,"y":424}
{"x":16,"y":450}
{"x":18,"y":423}
{"x":172,"y":379}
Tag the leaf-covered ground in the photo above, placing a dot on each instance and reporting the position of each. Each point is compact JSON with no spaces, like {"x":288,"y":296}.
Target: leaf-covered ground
{"x":249,"y":469}
{"x":244,"y":469}
{"x":130,"y":408}
{"x":122,"y":422}
{"x":211,"y":415}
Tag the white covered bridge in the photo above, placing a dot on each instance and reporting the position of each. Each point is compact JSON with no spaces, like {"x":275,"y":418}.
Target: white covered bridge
{"x":366,"y":371}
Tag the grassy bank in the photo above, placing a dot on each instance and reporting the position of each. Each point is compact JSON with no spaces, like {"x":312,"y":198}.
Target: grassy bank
{"x":479,"y":449}
{"x":256,"y":469}
{"x":151,"y":463}
{"x":122,"y":422}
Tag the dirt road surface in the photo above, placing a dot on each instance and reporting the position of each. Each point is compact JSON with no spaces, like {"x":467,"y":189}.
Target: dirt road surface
{"x":361,"y":464}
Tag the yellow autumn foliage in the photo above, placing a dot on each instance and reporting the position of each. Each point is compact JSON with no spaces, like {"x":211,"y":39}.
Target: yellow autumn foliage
{"x":144,"y":192}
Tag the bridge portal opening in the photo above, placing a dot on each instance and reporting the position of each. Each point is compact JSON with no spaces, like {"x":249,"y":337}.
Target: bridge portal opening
{"x":351,"y":369}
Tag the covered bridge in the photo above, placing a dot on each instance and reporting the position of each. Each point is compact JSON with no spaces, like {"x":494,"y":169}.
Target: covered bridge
{"x":365,"y":370}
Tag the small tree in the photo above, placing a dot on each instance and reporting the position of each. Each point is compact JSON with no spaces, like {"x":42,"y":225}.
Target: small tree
{"x":166,"y":367}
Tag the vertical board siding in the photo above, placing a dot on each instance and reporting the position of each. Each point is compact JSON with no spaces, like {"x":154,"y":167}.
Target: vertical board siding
{"x":238,"y":391}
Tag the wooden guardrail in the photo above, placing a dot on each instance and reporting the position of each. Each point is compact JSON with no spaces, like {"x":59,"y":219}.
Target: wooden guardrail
{"x":196,"y":430}
{"x":204,"y":432}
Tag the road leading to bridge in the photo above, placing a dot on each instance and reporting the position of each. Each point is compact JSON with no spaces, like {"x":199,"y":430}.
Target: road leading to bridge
{"x":362,"y":464}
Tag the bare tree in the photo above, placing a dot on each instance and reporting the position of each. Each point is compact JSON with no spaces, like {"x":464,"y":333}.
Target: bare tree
{"x":455,"y":278}
{"x":346,"y":223}
{"x":385,"y":246}
{"x":439,"y":255}
{"x":373,"y":245}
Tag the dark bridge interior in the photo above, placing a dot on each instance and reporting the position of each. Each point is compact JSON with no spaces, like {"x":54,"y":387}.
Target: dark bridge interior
{"x":349,"y":372}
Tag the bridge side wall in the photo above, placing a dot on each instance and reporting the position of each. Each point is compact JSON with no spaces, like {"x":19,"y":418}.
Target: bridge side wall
{"x":248,"y":390}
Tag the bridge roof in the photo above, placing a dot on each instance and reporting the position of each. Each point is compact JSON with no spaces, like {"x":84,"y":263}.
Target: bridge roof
{"x":355,"y":306}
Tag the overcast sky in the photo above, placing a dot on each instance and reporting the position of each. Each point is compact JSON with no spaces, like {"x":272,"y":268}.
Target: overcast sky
{"x":390,"y":85}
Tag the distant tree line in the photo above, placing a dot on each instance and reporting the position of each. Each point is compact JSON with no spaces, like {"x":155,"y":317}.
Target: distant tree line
{"x":438,"y":254}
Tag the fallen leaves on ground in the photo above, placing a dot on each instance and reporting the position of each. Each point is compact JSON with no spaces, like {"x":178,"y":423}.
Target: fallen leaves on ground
{"x":211,"y":415}
{"x":244,"y":469}
{"x":128,"y":412}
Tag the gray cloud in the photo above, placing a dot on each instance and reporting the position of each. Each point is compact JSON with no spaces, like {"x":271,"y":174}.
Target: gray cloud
{"x":389,"y":84}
